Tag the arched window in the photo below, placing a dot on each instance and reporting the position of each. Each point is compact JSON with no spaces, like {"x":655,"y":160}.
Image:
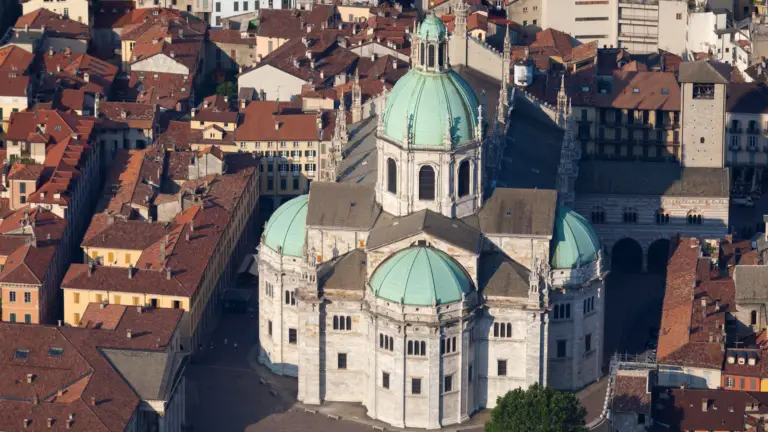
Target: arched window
{"x":421,"y":53}
{"x":349,"y":323}
{"x":693,"y":218}
{"x":391,"y":176}
{"x":662,"y":217}
{"x":431,"y":55}
{"x":464,"y":178}
{"x":598,"y":215}
{"x":630,"y":215}
{"x":426,"y":183}
{"x":335,"y":322}
{"x":753,"y":318}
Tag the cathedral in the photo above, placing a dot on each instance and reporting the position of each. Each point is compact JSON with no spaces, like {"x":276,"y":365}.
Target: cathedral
{"x":430,"y":295}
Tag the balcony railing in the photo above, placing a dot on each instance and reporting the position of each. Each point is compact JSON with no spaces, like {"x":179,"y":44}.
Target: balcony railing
{"x":735,"y":130}
{"x":638,"y":124}
{"x":668,"y":125}
{"x":638,"y":35}
{"x":753,"y":131}
{"x":640,"y":2}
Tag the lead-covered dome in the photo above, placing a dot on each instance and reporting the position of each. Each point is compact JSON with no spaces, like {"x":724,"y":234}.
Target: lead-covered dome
{"x":574,"y":242}
{"x":286,"y":228}
{"x":420,"y":276}
{"x":431,"y":99}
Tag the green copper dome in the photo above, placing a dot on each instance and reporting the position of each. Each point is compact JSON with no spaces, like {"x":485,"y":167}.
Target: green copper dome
{"x":420,"y":276}
{"x":432,"y":28}
{"x":574,"y":243}
{"x":287,"y":227}
{"x":429,"y":99}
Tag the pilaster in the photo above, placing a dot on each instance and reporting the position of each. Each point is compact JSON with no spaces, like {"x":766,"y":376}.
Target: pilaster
{"x":310,"y":365}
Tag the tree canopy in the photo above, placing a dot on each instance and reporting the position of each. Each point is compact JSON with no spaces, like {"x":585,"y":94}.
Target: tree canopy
{"x":538,"y":409}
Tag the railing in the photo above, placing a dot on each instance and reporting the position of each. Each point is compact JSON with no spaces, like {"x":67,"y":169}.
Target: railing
{"x":638,"y":124}
{"x":640,"y":2}
{"x":668,"y":125}
{"x":753,"y":131}
{"x":735,"y":130}
{"x":638,"y":35}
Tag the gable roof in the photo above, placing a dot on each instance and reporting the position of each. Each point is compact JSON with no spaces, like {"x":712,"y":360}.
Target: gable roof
{"x":453,"y":231}
{"x":341,"y":205}
{"x":705,"y":72}
{"x":517,"y":212}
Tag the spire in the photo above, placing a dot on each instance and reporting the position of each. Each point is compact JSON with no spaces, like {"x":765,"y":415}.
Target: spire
{"x":357,"y":99}
{"x":562,"y":102}
{"x":448,"y":137}
{"x":507,"y":43}
{"x":380,"y":117}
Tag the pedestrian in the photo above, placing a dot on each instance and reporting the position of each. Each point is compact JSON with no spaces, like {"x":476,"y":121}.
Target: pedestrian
{"x":235,"y":345}
{"x":225,"y":341}
{"x":201,"y":347}
{"x":211,"y":346}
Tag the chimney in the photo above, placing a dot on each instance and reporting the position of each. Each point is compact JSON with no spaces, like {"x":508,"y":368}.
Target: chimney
{"x":59,"y":392}
{"x":394,"y":64}
{"x":226,"y":99}
{"x":58,"y":68}
{"x":192,"y":225}
{"x":87,"y":77}
{"x":30,"y":378}
{"x":173,"y":54}
{"x":67,"y":52}
{"x":704,"y":405}
{"x":35,"y":400}
{"x":93,"y":399}
{"x":26,"y":423}
{"x":168,"y":273}
{"x":50,"y":52}
{"x":130,"y":271}
{"x":102,"y":305}
{"x":69,"y":423}
{"x":162,"y":248}
{"x":26,"y":27}
{"x":277,"y":125}
{"x":139,"y":309}
{"x":194,"y":112}
{"x":242,"y":104}
{"x":50,"y":422}
{"x":128,"y":335}
{"x":717,"y":305}
{"x":90,"y":269}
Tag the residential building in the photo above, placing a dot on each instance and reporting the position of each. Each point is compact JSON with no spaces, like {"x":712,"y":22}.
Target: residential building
{"x":169,"y":91}
{"x":277,"y":27}
{"x":78,"y":10}
{"x":15,"y":86}
{"x":34,"y":259}
{"x":164,"y":41}
{"x":743,"y":370}
{"x":631,"y":400}
{"x":714,"y":34}
{"x":160,"y":244}
{"x":230,"y":50}
{"x":124,"y":371}
{"x":55,"y":32}
{"x":336,"y":268}
{"x":126,"y":125}
{"x":292,"y":142}
{"x":211,"y":124}
{"x":320,"y":57}
{"x":83,"y":73}
{"x":637,"y":25}
{"x":705,"y":409}
{"x":746,"y":120}
{"x":694,"y":295}
{"x":528,"y":13}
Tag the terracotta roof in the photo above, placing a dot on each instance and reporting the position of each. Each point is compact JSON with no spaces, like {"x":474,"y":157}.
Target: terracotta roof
{"x":260,"y":118}
{"x":114,"y":15}
{"x":477,"y":21}
{"x":69,"y":99}
{"x":33,"y":236}
{"x":125,"y":235}
{"x":128,"y":115}
{"x":13,"y":58}
{"x":175,"y":136}
{"x":643,"y":91}
{"x":167,"y":90}
{"x":215,"y":103}
{"x":92,"y":390}
{"x":705,"y":409}
{"x":693,"y":313}
{"x":227,"y":36}
{"x":54,"y":24}
{"x":71,"y":70}
{"x":149,"y":23}
{"x":67,"y":138}
{"x":329,"y":58}
{"x":631,"y":394}
{"x":21,"y":171}
{"x":292,"y":23}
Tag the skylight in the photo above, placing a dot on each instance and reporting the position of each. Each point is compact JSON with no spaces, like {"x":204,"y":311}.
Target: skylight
{"x":635,"y":90}
{"x":55,"y":352}
{"x":664,"y":90}
{"x":21,"y":354}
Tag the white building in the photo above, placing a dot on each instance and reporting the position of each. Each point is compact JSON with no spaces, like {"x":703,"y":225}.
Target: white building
{"x":713,"y":33}
{"x":421,"y":298}
{"x":640,"y":26}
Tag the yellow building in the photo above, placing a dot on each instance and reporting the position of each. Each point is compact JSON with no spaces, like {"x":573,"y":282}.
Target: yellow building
{"x":292,"y":143}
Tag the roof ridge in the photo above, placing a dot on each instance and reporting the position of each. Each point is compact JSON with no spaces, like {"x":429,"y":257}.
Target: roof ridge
{"x":410,"y":269}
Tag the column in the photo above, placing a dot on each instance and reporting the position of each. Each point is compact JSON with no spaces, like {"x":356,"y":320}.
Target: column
{"x":310,"y":367}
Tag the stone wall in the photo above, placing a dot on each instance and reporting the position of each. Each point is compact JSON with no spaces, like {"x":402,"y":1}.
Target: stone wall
{"x":703,"y":126}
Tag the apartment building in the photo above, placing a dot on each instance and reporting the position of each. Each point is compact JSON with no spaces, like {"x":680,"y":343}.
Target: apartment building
{"x":640,"y":26}
{"x":528,"y":13}
{"x":292,"y":142}
{"x":122,"y":371}
{"x":15,"y":84}
{"x":54,"y":168}
{"x":54,"y":31}
{"x":713,"y":34}
{"x":82,"y":74}
{"x":159,"y":243}
{"x":212,"y":123}
{"x":78,"y":10}
{"x":230,"y":50}
{"x":746,"y":120}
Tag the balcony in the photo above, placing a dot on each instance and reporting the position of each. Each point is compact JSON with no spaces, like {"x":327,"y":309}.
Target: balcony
{"x":753,"y":131}
{"x":643,"y":37}
{"x":637,"y":125}
{"x":668,"y":125}
{"x":735,"y":130}
{"x":585,"y":121}
{"x":640,"y":2}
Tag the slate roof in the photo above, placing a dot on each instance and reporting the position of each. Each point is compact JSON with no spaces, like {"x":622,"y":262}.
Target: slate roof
{"x":341,"y":205}
{"x":751,"y":283}
{"x":631,"y":395}
{"x":651,"y":178}
{"x":750,"y":98}
{"x":501,"y":276}
{"x":347,"y":272}
{"x":704,"y":72}
{"x":453,"y":231}
{"x":147,"y":372}
{"x":517,"y":212}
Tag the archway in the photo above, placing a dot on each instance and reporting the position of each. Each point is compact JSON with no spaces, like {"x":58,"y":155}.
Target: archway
{"x":658,"y":256}
{"x":627,"y":256}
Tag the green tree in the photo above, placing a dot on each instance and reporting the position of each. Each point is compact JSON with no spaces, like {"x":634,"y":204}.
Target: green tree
{"x":226,"y":89}
{"x":538,"y":409}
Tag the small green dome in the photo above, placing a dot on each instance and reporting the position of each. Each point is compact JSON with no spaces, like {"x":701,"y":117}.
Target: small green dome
{"x":287,"y":227}
{"x":420,"y":276}
{"x":432,"y":28}
{"x":429,"y":99}
{"x":575,"y":242}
